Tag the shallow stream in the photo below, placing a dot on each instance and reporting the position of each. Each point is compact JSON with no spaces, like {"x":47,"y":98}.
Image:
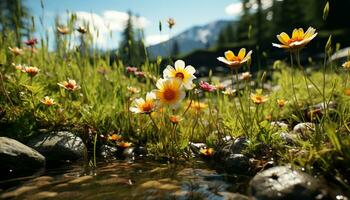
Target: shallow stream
{"x":140,"y":179}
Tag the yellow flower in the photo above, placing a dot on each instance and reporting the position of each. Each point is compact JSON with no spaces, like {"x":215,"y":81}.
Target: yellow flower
{"x":234,"y":61}
{"x":144,"y":106}
{"x":181,"y":72}
{"x":207,"y":151}
{"x":298,"y":40}
{"x":123,"y":144}
{"x":63,"y":30}
{"x":69,"y":85}
{"x":114,"y":137}
{"x":133,"y":90}
{"x":346,"y":65}
{"x":198,"y":106}
{"x":31,"y":71}
{"x":170,"y":91}
{"x":48,"y":101}
{"x":258,"y":98}
{"x":281,"y":103}
{"x":171,"y":22}
{"x":16,"y":51}
{"x":175,"y":119}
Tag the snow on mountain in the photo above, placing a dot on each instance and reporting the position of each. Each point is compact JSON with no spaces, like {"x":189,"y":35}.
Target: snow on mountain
{"x":197,"y":37}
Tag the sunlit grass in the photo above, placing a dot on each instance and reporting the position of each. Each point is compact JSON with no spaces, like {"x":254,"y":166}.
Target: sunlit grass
{"x":82,"y":91}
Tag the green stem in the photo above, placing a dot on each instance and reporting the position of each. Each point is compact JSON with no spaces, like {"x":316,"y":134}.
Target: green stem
{"x":95,"y":141}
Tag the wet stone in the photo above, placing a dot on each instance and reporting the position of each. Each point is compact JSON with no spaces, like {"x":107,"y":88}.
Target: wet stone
{"x":284,"y":183}
{"x":108,"y":152}
{"x":18,"y":159}
{"x":237,"y":163}
{"x":239,"y":145}
{"x":59,"y":146}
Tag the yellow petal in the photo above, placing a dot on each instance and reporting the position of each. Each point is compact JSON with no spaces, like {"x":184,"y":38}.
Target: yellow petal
{"x":301,"y":33}
{"x":283,"y":38}
{"x":241,"y":53}
{"x":295,"y":33}
{"x":230,"y":56}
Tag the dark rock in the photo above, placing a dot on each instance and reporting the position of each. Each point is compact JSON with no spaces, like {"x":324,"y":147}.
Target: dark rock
{"x":232,"y":147}
{"x":59,"y":146}
{"x":239,"y":145}
{"x":195,"y":147}
{"x":18,"y":159}
{"x":108,"y":152}
{"x":132,"y":152}
{"x":284,"y":183}
{"x":236,"y":163}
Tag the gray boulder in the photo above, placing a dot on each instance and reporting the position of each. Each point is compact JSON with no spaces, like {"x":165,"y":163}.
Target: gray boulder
{"x":16,"y":158}
{"x":304,"y":130}
{"x":59,"y":146}
{"x":284,"y":183}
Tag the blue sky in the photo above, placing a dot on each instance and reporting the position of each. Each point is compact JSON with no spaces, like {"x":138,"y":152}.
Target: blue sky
{"x":186,"y":13}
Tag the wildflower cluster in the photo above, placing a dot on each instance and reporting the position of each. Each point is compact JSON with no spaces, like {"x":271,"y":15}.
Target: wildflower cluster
{"x":170,"y":89}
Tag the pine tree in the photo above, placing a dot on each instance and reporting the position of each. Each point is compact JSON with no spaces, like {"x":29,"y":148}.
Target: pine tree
{"x":125,"y":49}
{"x":14,"y":16}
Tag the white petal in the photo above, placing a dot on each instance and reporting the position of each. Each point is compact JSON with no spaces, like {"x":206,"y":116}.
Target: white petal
{"x":139,"y":101}
{"x":168,"y":71}
{"x":280,"y":46}
{"x":222,"y":59}
{"x":188,"y":85}
{"x":182,"y":95}
{"x":150,"y":96}
{"x":179,"y":64}
{"x":190,"y":69}
{"x":134,"y":110}
{"x":160,"y":83}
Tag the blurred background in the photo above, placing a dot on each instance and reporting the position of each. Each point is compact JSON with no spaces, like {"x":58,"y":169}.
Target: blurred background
{"x":138,"y":30}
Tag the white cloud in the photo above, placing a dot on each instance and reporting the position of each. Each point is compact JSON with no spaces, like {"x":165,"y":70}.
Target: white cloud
{"x":234,"y":9}
{"x":103,"y":26}
{"x":237,"y":7}
{"x":156,"y":39}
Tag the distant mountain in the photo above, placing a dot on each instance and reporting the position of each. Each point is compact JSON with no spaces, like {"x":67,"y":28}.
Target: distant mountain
{"x":197,"y":37}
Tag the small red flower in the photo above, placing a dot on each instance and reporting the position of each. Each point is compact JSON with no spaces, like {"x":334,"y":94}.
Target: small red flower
{"x":206,"y":86}
{"x":31,"y":42}
{"x":131,"y":69}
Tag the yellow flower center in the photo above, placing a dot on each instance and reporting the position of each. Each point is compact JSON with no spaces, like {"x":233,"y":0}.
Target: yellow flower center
{"x":298,"y":39}
{"x":69,"y":86}
{"x":147,"y":107}
{"x":169,"y":94}
{"x":180,"y":75}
